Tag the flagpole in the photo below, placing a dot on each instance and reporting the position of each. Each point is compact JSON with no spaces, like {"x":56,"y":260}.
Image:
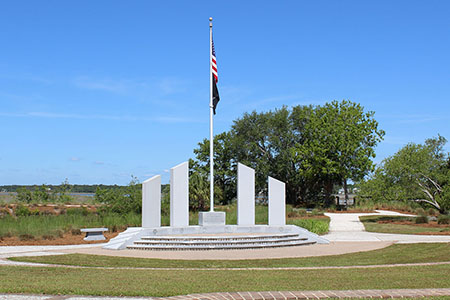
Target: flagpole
{"x":211,"y":137}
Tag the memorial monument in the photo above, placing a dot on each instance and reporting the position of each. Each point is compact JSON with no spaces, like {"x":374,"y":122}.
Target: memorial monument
{"x":212,"y":232}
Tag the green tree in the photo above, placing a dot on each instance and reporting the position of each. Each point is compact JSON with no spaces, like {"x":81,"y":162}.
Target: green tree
{"x":24,"y":195}
{"x":122,"y":200}
{"x":417,"y":172}
{"x":224,"y":166}
{"x":310,"y":148}
{"x":338,"y":144}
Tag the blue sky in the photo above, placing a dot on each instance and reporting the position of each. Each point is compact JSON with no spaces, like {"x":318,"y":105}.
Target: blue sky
{"x":97,"y":91}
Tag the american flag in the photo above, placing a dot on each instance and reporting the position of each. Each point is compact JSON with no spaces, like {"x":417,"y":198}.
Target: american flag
{"x":215,"y":78}
{"x":214,"y":62}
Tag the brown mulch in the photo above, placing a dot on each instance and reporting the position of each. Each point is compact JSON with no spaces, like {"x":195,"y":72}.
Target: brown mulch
{"x":352,"y":211}
{"x":67,"y":239}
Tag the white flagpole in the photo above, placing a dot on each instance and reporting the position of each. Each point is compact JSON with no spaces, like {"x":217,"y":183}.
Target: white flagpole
{"x":211,"y":137}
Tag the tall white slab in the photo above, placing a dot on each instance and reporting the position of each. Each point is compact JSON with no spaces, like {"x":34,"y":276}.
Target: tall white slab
{"x":245,"y":195}
{"x":277,"y":202}
{"x":179,"y":195}
{"x":151,"y":202}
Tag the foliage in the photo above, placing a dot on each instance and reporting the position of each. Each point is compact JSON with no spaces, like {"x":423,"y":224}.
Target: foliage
{"x":310,"y":148}
{"x":55,"y":225}
{"x":224,"y":167}
{"x":339,"y":144}
{"x":417,"y":172}
{"x":443,"y":220}
{"x":421,"y":219}
{"x":123,"y":200}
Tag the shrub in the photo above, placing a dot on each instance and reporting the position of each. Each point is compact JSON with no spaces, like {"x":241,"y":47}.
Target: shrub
{"x":77,"y":211}
{"x":302,"y":212}
{"x":48,"y":237}
{"x":26,"y":237}
{"x":432,"y":212}
{"x":75,"y":231}
{"x":293,"y":214}
{"x":316,"y":212}
{"x":443,"y":219}
{"x":421,"y":219}
{"x":421,"y":212}
{"x":22,"y":211}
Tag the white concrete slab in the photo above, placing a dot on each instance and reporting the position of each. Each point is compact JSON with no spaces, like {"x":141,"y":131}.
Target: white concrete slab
{"x":245,"y":195}
{"x":277,"y":202}
{"x":151,"y":202}
{"x":179,"y":195}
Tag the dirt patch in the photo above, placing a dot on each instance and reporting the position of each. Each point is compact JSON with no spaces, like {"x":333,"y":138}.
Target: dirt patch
{"x":66,"y":239}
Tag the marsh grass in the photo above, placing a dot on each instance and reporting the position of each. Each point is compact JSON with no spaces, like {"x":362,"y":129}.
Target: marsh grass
{"x":53,"y":225}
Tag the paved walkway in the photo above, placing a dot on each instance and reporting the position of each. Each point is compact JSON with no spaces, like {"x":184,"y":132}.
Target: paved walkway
{"x":270,"y":295}
{"x":346,"y":227}
{"x":346,"y":235}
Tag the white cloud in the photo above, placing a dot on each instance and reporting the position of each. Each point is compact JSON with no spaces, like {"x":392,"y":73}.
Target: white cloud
{"x":74,"y":158}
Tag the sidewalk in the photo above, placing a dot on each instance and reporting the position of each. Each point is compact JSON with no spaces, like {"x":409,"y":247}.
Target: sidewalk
{"x":346,"y":227}
{"x":270,"y":295}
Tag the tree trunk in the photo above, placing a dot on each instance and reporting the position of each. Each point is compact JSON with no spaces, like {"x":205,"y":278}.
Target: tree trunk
{"x":345,"y":191}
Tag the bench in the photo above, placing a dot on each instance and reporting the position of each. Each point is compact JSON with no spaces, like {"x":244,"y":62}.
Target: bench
{"x":94,"y":234}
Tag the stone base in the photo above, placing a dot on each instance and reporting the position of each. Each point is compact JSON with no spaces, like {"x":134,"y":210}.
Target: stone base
{"x":211,"y":218}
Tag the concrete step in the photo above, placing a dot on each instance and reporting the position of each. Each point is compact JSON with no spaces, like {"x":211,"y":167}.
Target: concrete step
{"x":219,"y":247}
{"x":219,"y":242}
{"x":220,"y":237}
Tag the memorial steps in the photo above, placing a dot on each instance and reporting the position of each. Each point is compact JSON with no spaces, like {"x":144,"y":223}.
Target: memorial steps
{"x":219,"y":242}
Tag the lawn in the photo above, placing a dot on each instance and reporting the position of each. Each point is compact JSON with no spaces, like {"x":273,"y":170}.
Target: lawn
{"x":401,"y":225}
{"x":394,"y":254}
{"x":115,"y":282}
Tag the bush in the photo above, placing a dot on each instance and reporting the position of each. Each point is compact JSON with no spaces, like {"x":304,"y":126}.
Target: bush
{"x":77,"y":211}
{"x":421,"y":219}
{"x":316,"y":212}
{"x":443,"y":219}
{"x":22,"y":211}
{"x":26,"y":237}
{"x":75,"y":231}
{"x":432,"y":212}
{"x":421,"y":212}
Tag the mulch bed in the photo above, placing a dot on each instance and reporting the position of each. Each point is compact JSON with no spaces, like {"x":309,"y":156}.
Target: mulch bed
{"x":67,"y":239}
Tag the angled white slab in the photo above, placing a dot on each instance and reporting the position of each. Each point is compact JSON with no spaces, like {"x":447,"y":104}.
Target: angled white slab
{"x":277,"y":203}
{"x":179,"y":195}
{"x":245,"y":195}
{"x":151,"y":202}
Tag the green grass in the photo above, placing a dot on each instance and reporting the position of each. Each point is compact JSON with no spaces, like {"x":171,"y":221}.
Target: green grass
{"x":37,"y":226}
{"x":371,"y":225}
{"x":316,"y":225}
{"x":394,"y":254}
{"x":115,"y":282}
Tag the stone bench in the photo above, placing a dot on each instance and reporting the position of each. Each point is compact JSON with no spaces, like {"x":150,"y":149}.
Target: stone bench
{"x":94,"y":234}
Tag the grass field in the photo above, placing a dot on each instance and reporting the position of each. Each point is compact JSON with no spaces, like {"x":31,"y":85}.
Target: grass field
{"x":115,"y":282}
{"x":371,"y":224}
{"x":395,"y":254}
